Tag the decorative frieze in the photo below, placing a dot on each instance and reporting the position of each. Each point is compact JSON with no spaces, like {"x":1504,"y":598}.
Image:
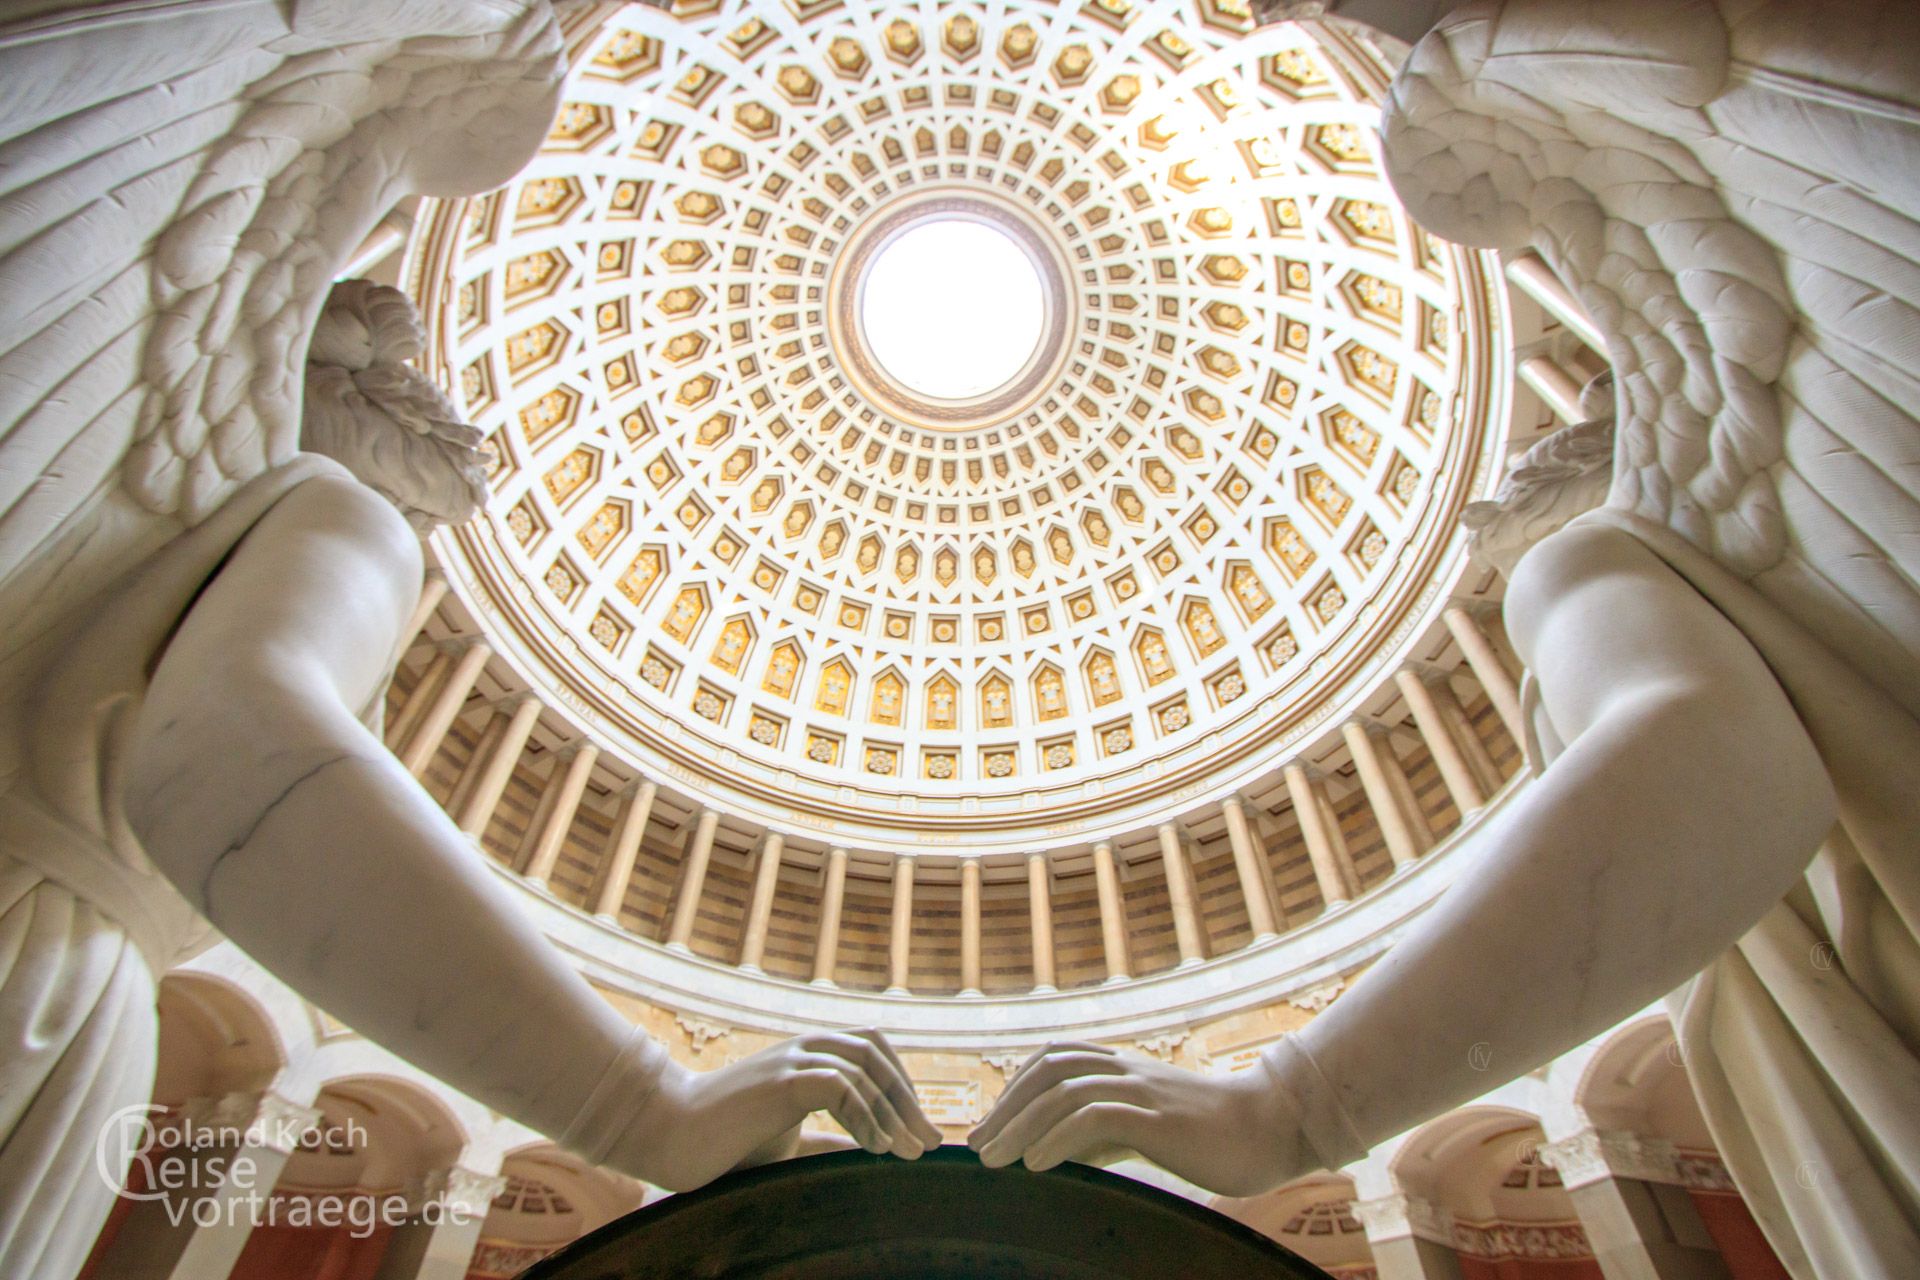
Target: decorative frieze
{"x":1399,"y":1216}
{"x":700,"y":1033}
{"x":1533,"y":1242}
{"x":1593,"y":1155}
{"x":1316,"y":998}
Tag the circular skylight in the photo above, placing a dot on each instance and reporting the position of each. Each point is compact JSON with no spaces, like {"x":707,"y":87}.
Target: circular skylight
{"x":952,"y":309}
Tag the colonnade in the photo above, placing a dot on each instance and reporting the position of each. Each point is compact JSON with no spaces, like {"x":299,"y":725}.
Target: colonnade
{"x":1597,"y":1165}
{"x":1604,"y":1203}
{"x":1373,"y":768}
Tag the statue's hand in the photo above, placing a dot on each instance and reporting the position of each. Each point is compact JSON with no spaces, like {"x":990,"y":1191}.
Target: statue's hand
{"x":1231,"y":1134}
{"x":700,"y":1124}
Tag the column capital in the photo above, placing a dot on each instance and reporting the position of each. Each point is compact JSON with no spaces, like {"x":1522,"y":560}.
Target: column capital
{"x":1594,"y":1155}
{"x":826,"y":947}
{"x":459,"y":1190}
{"x":257,"y":1119}
{"x":511,"y":702}
{"x":1399,"y":1216}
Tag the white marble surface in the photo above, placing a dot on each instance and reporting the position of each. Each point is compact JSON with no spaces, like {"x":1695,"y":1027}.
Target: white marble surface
{"x":180,"y":183}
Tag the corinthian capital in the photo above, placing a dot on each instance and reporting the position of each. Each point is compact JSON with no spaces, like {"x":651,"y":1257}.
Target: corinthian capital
{"x":1594,"y":1155}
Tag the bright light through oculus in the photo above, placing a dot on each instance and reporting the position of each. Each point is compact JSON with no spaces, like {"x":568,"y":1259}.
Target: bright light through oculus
{"x":952,"y":309}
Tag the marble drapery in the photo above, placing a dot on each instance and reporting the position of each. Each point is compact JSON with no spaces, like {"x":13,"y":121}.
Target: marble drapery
{"x":1803,"y":1040}
{"x":87,"y":924}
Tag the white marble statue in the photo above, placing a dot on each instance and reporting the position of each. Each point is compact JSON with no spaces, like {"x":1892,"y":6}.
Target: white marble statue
{"x":197,"y":619}
{"x":1724,"y":684}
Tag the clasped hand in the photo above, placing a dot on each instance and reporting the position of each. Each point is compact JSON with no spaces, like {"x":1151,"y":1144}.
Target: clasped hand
{"x":1233,"y":1134}
{"x":699,"y":1124}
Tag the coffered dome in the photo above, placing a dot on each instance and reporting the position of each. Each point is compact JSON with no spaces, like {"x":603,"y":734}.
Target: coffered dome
{"x":1156,"y":482}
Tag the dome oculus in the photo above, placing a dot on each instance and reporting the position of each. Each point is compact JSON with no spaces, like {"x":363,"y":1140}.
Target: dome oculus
{"x":951,"y":308}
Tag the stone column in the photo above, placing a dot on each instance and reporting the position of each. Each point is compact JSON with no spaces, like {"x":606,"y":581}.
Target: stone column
{"x":1554,"y":385}
{"x":1460,"y":781}
{"x":388,"y":237}
{"x":476,"y":809}
{"x":693,"y":880}
{"x":224,"y":1174}
{"x":970,"y":927}
{"x":1335,"y":887}
{"x":483,"y":749}
{"x":546,"y":788}
{"x":445,"y":708}
{"x":1537,"y":280}
{"x":1402,"y":787}
{"x":1410,"y":1238}
{"x":766,"y":880}
{"x":1479,"y":759}
{"x":1113,"y":914}
{"x":1256,"y":883}
{"x":1180,"y":895}
{"x":438,"y":1240}
{"x":1040,"y":920}
{"x":1395,"y":826}
{"x":1641,"y":1224}
{"x":553,"y":836}
{"x":419,"y":698}
{"x":433,"y":589}
{"x":833,"y":896}
{"x":1487,"y":669}
{"x":623,"y":848}
{"x":1342,"y":855}
{"x":900,"y":948}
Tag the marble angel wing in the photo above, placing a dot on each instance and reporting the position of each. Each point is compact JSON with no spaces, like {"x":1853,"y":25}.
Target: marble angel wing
{"x":179,"y":184}
{"x":1730,"y":190}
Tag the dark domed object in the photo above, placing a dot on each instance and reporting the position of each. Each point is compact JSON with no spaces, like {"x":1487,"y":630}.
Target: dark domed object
{"x":853,"y":1216}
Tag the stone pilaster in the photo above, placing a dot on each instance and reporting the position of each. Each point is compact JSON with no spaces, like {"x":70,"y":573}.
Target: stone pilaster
{"x":438,"y":1239}
{"x":1411,"y":1238}
{"x":1628,"y":1192}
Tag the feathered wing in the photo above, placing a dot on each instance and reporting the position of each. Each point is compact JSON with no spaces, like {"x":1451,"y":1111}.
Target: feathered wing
{"x":179,"y":184}
{"x":1732,"y":195}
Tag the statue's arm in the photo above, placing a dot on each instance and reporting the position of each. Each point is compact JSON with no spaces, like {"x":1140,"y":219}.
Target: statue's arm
{"x":254,"y":787}
{"x":1686,"y":803}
